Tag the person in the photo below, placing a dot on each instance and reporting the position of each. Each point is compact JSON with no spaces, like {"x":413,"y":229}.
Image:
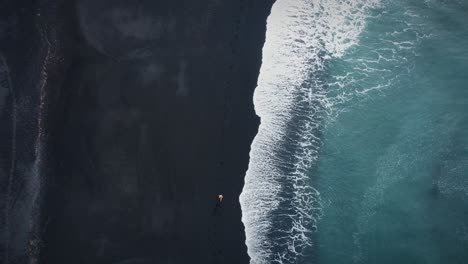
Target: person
{"x":219,"y":201}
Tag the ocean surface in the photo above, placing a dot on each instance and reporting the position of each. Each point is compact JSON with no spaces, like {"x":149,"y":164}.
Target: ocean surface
{"x":362,"y":151}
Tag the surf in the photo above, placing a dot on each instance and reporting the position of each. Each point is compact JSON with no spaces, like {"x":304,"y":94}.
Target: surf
{"x":280,"y":206}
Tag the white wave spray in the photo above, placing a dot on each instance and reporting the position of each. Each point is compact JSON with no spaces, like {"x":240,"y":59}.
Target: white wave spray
{"x":280,"y":207}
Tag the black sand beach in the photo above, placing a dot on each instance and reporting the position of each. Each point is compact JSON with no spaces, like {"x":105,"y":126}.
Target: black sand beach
{"x":149,"y":116}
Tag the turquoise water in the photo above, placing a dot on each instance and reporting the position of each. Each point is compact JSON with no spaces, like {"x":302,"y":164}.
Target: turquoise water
{"x":393,"y":167}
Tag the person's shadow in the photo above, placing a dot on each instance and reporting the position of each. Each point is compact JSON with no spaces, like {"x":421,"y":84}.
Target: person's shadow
{"x":217,"y":210}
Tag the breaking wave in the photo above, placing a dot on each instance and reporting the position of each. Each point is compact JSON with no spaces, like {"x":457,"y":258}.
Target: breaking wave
{"x":280,"y":206}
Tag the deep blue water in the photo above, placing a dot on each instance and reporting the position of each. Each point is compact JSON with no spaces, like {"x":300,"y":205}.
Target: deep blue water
{"x":393,"y":169}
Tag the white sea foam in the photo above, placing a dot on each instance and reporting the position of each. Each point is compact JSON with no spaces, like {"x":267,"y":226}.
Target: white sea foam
{"x":302,"y":35}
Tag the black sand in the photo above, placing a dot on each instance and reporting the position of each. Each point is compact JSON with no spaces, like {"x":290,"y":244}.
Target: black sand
{"x":149,"y":118}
